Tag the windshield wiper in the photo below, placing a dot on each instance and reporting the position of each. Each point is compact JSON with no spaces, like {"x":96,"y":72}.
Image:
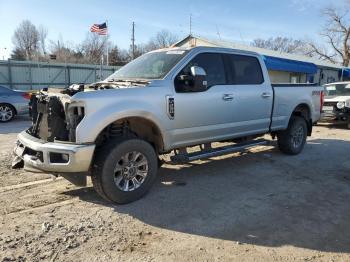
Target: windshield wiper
{"x":141,"y":81}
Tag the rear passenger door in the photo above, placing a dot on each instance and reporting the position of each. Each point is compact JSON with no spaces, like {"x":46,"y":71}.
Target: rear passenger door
{"x":252,"y":95}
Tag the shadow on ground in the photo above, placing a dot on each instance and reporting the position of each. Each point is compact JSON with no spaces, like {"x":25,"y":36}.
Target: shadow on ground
{"x":265,"y":198}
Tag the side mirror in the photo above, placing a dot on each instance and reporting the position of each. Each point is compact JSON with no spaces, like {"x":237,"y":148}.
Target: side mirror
{"x":196,"y":81}
{"x":199,"y":79}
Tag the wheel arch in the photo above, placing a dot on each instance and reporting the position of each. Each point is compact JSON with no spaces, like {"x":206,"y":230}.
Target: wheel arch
{"x":303,"y":110}
{"x":138,"y":126}
{"x":12,"y":106}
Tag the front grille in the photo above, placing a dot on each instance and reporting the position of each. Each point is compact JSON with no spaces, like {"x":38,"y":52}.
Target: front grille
{"x":330,"y":104}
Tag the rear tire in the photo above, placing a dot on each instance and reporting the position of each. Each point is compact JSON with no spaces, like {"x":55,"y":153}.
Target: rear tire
{"x":124,"y":170}
{"x":7,"y":112}
{"x":292,"y":140}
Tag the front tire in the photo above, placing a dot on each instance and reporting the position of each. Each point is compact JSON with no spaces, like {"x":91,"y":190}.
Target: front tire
{"x":124,"y":170}
{"x":292,"y":140}
{"x":7,"y":113}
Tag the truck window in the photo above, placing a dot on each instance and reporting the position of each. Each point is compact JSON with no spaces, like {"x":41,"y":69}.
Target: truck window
{"x":154,"y":65}
{"x":213,"y":65}
{"x":245,"y":70}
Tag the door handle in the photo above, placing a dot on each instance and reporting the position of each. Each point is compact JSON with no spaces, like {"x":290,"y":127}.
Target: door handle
{"x":227,"y":97}
{"x":265,"y":95}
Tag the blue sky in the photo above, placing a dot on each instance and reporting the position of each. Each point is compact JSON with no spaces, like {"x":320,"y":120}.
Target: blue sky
{"x":234,"y":20}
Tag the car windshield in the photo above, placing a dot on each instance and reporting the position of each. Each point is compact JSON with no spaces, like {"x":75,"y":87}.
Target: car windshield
{"x":338,"y":90}
{"x":150,"y":66}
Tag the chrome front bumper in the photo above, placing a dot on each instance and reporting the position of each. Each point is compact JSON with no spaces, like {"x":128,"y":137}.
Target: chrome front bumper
{"x":57,"y":157}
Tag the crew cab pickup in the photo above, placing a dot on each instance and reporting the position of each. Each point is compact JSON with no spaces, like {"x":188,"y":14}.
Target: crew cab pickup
{"x":163,"y":102}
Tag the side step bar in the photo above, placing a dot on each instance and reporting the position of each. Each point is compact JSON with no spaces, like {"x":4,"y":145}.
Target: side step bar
{"x":188,"y":157}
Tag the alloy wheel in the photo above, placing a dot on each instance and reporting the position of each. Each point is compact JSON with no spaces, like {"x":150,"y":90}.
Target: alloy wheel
{"x":298,"y":137}
{"x":6,"y":113}
{"x":130,"y":171}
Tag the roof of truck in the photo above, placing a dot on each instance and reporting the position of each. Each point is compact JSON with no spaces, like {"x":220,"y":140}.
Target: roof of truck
{"x":212,"y":48}
{"x":262,"y":51}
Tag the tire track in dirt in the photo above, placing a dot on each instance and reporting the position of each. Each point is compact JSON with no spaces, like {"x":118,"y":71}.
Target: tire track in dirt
{"x":28,"y":184}
{"x":46,"y":205}
{"x":28,"y":196}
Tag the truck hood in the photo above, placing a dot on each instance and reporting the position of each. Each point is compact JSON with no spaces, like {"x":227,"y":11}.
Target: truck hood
{"x":337,"y":98}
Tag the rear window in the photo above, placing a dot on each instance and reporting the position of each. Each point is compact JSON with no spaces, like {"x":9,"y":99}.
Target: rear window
{"x":245,"y":70}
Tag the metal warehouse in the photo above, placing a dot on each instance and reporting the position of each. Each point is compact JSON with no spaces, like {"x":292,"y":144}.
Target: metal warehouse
{"x":283,"y":67}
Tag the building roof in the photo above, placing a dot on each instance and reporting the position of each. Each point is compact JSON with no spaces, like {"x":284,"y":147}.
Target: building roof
{"x":262,"y":51}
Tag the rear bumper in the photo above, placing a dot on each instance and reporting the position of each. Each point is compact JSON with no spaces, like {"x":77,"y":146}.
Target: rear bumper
{"x":57,"y":157}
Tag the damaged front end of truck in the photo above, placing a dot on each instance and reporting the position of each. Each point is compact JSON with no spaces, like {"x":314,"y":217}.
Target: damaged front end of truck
{"x":55,"y":117}
{"x":49,"y":145}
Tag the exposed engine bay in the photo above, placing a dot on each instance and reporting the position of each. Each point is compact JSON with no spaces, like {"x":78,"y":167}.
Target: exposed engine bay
{"x":55,"y":117}
{"x":50,"y":120}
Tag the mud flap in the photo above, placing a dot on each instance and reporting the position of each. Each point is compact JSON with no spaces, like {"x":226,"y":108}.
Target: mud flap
{"x":77,"y":179}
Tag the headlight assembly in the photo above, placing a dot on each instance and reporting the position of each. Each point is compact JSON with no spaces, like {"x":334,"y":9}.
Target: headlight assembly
{"x":340,"y":105}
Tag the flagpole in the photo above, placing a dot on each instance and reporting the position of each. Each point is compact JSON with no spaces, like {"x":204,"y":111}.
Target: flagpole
{"x":107,"y":42}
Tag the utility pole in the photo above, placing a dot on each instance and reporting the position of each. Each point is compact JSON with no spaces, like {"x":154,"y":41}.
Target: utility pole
{"x":133,"y":40}
{"x":190,"y":24}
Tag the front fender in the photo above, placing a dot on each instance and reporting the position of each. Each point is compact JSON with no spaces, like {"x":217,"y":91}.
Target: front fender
{"x":92,"y":125}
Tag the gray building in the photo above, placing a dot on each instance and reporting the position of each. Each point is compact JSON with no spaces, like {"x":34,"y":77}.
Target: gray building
{"x":282,"y":67}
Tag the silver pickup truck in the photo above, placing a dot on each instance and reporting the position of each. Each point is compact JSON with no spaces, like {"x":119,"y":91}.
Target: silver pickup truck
{"x":163,"y":102}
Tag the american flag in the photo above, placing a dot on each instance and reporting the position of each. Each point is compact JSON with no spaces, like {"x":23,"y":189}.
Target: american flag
{"x":100,"y":29}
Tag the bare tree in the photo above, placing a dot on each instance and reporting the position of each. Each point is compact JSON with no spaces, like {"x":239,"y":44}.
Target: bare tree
{"x":65,"y":53}
{"x":42,"y":38}
{"x":118,"y":56}
{"x":162,"y":39}
{"x":94,"y":47}
{"x":337,"y":35}
{"x":284,"y":44}
{"x":26,"y":39}
{"x":18,"y":54}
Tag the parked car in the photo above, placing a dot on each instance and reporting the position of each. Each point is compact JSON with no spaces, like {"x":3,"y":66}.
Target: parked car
{"x":166,"y":100}
{"x":337,"y":103}
{"x":12,"y":103}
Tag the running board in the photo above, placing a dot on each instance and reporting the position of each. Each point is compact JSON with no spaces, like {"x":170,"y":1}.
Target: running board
{"x":188,"y":157}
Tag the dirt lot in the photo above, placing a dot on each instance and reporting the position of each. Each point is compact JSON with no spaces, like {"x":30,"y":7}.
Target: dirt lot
{"x":253,"y":207}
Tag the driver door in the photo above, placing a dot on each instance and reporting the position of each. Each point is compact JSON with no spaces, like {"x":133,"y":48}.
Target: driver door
{"x":204,"y":115}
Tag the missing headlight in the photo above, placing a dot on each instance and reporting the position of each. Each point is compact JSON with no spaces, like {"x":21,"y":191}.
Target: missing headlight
{"x":74,"y":116}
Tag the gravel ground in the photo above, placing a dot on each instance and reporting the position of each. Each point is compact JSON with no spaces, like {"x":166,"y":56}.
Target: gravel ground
{"x":258,"y":206}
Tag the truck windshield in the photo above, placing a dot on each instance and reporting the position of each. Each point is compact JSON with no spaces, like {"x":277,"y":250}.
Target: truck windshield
{"x":338,"y":90}
{"x":152,"y":66}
